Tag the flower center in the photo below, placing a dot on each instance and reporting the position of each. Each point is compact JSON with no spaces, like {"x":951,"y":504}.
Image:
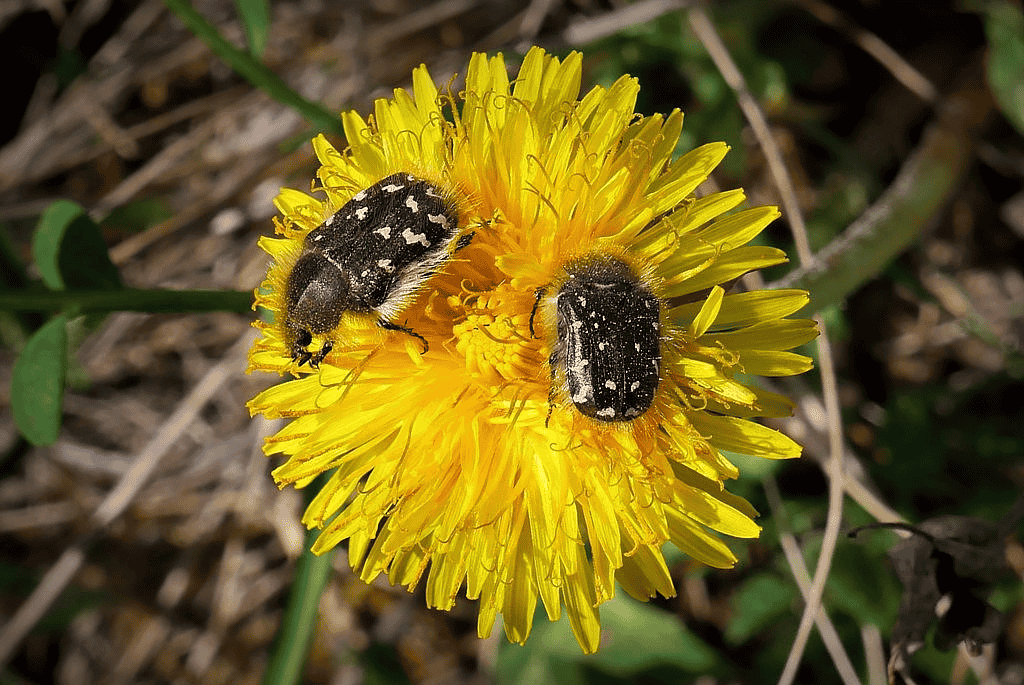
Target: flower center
{"x":492,"y":331}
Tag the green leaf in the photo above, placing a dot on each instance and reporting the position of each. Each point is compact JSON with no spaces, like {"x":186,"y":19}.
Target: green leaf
{"x":637,"y":636}
{"x":37,"y":383}
{"x":756,"y":604}
{"x":68,"y":65}
{"x":550,"y":655}
{"x":69,"y":251}
{"x":863,"y":586}
{"x":382,"y":666}
{"x":255,"y":16}
{"x":251,"y":70}
{"x":48,"y":237}
{"x":295,"y":634}
{"x":137,"y":215}
{"x":1004,"y":27}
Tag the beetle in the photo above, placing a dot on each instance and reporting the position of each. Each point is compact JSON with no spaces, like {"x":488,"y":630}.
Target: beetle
{"x":608,"y":347}
{"x":370,"y":256}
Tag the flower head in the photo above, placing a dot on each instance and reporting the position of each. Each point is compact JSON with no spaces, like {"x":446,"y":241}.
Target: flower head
{"x":471,"y":463}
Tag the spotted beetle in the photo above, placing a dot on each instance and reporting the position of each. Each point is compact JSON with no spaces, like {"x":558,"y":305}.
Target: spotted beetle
{"x":371,"y":255}
{"x":609,"y":338}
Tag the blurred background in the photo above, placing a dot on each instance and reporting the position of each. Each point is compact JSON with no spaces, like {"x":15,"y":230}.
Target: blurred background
{"x":902,"y":117}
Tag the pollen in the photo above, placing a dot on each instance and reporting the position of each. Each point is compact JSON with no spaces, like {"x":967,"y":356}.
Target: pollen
{"x":492,"y":331}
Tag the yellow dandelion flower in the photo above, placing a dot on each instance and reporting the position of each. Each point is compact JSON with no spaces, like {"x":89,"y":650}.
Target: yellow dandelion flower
{"x":484,"y":462}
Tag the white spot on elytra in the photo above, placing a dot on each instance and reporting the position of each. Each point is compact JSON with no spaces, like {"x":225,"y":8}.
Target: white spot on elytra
{"x":610,"y":385}
{"x":634,"y":385}
{"x":361,"y":195}
{"x":411,"y":237}
{"x":602,"y":345}
{"x":636,"y":346}
{"x":362,"y":212}
{"x":583,"y":302}
{"x":438,"y":219}
{"x":609,"y":413}
{"x":385,"y":264}
{"x":318,"y":237}
{"x":385,"y":233}
{"x":392,"y":188}
{"x":411,"y":203}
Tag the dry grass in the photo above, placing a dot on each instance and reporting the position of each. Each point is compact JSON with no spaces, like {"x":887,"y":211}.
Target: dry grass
{"x":190,"y":579}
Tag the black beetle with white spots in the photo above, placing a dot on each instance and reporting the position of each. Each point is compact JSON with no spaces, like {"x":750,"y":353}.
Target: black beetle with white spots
{"x":371,"y":256}
{"x":609,"y":339}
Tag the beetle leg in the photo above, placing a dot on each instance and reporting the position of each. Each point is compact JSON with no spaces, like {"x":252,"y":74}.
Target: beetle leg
{"x":537,"y":296}
{"x":391,"y":326}
{"x":315,"y":359}
{"x":463,"y":241}
{"x":552,"y":360}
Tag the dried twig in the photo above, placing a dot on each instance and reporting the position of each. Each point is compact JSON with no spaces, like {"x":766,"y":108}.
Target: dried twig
{"x":903,"y":71}
{"x":69,"y":563}
{"x":533,"y":17}
{"x":795,"y":559}
{"x":809,"y":426}
{"x":874,"y":653}
{"x":705,"y":30}
{"x":920,"y":191}
{"x":588,"y":29}
{"x":418,"y":20}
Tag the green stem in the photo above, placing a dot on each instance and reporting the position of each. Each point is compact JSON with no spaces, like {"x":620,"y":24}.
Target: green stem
{"x":916,"y":199}
{"x":129,"y":300}
{"x":288,"y":658}
{"x":250,"y":69}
